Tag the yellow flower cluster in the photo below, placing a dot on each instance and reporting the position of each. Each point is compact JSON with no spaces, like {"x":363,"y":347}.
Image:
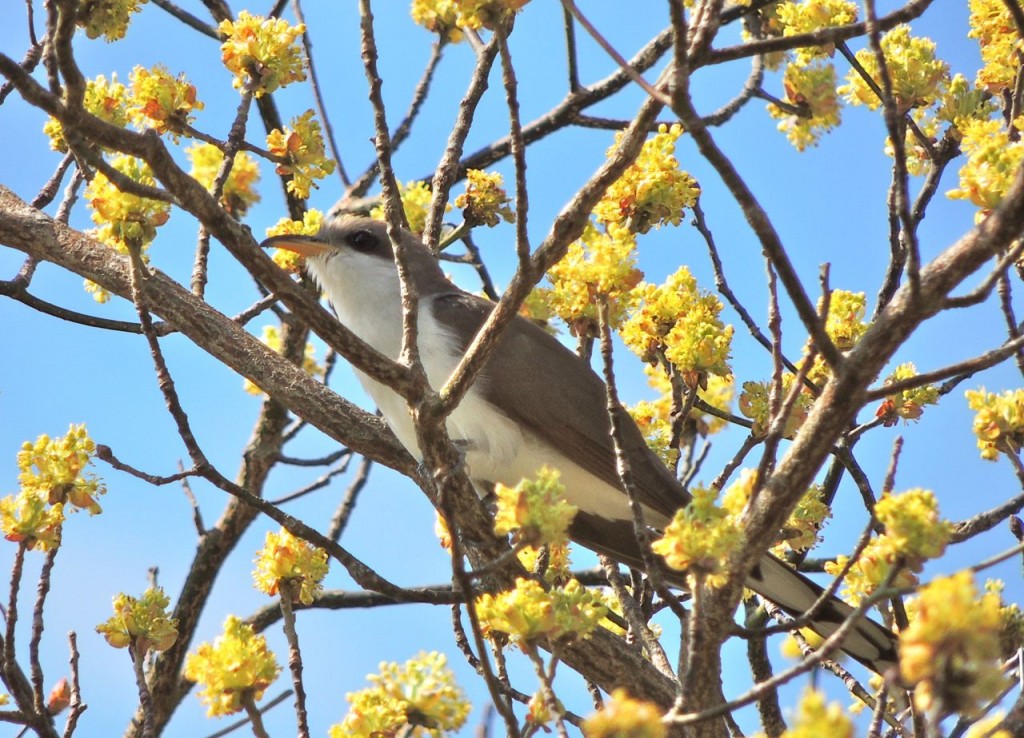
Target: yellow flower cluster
{"x":239,"y":191}
{"x":540,"y":711}
{"x":420,"y":692}
{"x":55,"y":468}
{"x":535,"y":511}
{"x":537,"y":309}
{"x":528,"y":612}
{"x":918,"y":77}
{"x":415,"y":198}
{"x":1011,"y":637}
{"x":161,"y":101}
{"x":142,"y":623}
{"x":992,"y":162}
{"x":28,"y":518}
{"x":125,"y":219}
{"x":813,"y":15}
{"x":262,"y":52}
{"x":914,"y":532}
{"x":108,"y":101}
{"x":809,"y":79}
{"x":653,"y":417}
{"x":999,"y":422}
{"x":625,"y":717}
{"x":654,"y":421}
{"x":447,"y":18}
{"x":950,"y":650}
{"x":805,"y":522}
{"x":755,"y":403}
{"x":310,"y":224}
{"x":271,"y":338}
{"x":959,"y":103}
{"x":700,"y":539}
{"x":372,"y":714}
{"x":289,"y":563}
{"x":815,"y":718}
{"x":485,"y":200}
{"x":107,"y":18}
{"x":600,"y":264}
{"x":438,"y":16}
{"x":913,"y":526}
{"x":444,"y":536}
{"x":811,"y":87}
{"x":908,"y":404}
{"x":653,"y":190}
{"x":681,"y":321}
{"x":845,"y":322}
{"x":963,"y":100}
{"x":740,"y":492}
{"x":1000,"y":43}
{"x":236,"y":667}
{"x":300,"y":149}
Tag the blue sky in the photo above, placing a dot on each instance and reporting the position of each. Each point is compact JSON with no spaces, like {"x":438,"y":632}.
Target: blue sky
{"x":828,"y":204}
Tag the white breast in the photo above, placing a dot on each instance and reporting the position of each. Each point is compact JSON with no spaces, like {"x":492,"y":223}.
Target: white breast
{"x":491,"y":441}
{"x":364,"y":292}
{"x":496,"y":448}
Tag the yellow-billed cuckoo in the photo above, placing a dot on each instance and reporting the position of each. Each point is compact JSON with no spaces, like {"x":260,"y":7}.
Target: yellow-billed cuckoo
{"x":534,"y":403}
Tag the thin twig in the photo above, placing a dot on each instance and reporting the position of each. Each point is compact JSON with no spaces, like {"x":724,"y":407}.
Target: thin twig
{"x":294,"y":659}
{"x":341,"y":516}
{"x":464,"y":585}
{"x":820,"y":38}
{"x":188,"y":19}
{"x":75,"y":707}
{"x":42,"y":590}
{"x":319,"y":483}
{"x":19,"y":293}
{"x":634,"y":617}
{"x":962,"y":369}
{"x":362,"y":184}
{"x":314,"y":83}
{"x":448,"y":168}
{"x":624,"y":65}
{"x":508,"y":76}
{"x":572,"y":64}
{"x":145,"y":697}
{"x":700,"y":223}
{"x":255,"y":715}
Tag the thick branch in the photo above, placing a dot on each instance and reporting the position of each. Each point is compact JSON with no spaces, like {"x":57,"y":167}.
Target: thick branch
{"x":35,"y":233}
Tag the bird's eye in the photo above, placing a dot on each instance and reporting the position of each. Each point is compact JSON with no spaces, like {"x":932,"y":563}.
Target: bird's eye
{"x":362,"y":240}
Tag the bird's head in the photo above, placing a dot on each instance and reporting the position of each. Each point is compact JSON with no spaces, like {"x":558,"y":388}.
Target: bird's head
{"x":350,"y":254}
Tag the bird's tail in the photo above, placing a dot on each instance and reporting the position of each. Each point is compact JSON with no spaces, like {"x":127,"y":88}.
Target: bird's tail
{"x":868,"y":642}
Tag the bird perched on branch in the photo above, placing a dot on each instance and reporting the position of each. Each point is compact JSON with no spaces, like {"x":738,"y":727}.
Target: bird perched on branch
{"x":534,"y":403}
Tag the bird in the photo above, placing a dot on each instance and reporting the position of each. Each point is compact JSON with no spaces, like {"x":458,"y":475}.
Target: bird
{"x":535,"y":403}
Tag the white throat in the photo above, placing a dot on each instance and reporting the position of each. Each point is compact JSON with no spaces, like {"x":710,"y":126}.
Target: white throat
{"x":366,"y":294}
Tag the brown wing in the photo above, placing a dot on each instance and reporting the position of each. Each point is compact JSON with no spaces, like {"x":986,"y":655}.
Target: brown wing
{"x":570,"y":413}
{"x":573,"y":415}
